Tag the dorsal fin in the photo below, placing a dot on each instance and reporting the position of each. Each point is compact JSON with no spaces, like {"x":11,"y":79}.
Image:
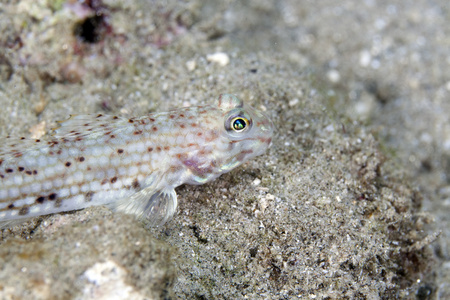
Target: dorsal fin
{"x":12,"y":147}
{"x":83,"y":125}
{"x":229,"y":101}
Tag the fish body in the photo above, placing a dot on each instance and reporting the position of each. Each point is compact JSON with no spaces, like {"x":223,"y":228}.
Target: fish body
{"x":132,"y":165}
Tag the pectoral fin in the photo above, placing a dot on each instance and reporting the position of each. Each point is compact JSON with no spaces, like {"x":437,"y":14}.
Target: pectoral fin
{"x":153,"y":207}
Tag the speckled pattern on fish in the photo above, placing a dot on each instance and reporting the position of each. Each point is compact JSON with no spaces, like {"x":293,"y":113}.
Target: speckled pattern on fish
{"x":132,"y":165}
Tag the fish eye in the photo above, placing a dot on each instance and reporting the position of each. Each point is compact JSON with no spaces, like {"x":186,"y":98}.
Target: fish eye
{"x":239,"y":124}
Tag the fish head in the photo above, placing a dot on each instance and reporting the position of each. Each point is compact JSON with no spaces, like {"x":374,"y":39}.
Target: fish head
{"x":246,"y":132}
{"x":229,"y":134}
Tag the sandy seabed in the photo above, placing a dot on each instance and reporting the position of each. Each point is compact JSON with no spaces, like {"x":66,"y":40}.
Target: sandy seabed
{"x":350,"y":202}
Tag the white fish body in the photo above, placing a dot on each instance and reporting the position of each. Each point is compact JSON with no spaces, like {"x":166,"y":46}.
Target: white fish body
{"x":132,"y":165}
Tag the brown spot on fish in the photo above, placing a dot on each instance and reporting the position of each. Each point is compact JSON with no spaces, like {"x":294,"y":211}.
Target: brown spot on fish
{"x":40,"y":200}
{"x":58,"y":203}
{"x":24,"y":211}
{"x":265,"y":140}
{"x":88,"y":197}
{"x":181,"y":156}
{"x":136,"y":185}
{"x":52,"y":196}
{"x":203,"y":152}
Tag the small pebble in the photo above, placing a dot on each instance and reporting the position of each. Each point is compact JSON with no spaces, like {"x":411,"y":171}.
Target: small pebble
{"x":220,"y":58}
{"x":191,"y":65}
